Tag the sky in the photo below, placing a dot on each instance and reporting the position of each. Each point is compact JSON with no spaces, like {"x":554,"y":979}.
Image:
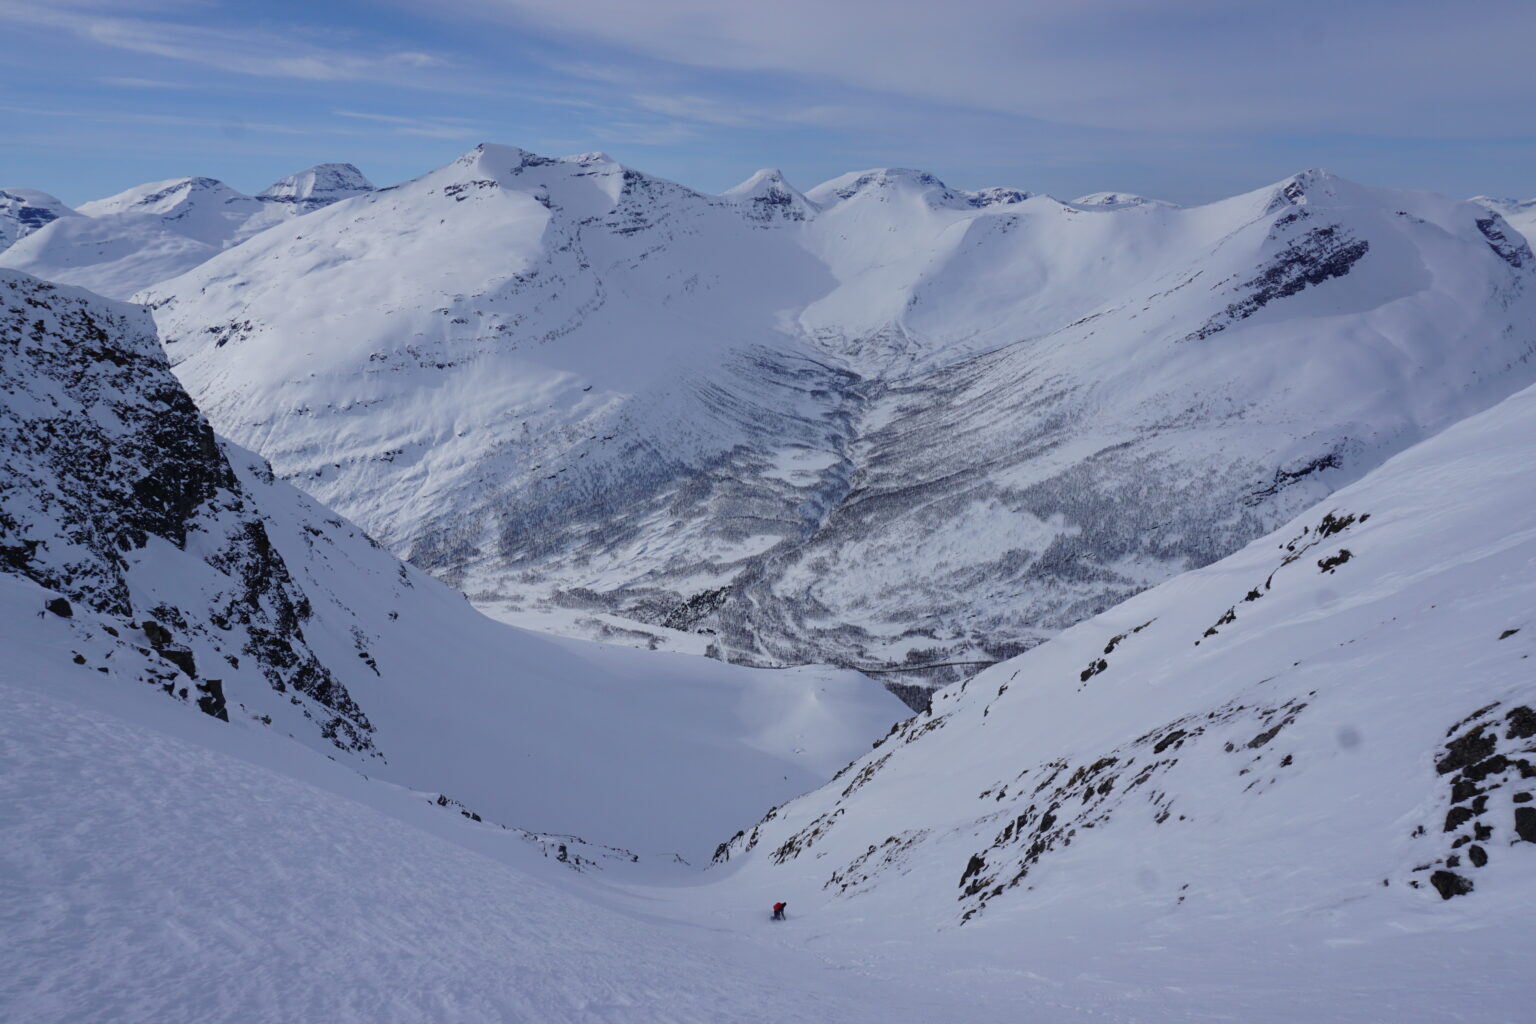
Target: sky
{"x":1184,"y":100}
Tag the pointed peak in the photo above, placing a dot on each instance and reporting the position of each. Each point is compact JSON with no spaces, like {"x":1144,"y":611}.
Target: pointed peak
{"x":319,"y":185}
{"x":765,"y":178}
{"x":766,"y":197}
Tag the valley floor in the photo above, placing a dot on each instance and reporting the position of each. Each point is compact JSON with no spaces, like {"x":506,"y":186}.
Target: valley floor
{"x":161,"y":866}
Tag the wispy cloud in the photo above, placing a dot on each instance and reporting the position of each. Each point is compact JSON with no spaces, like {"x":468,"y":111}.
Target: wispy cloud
{"x":434,"y":128}
{"x":242,"y":51}
{"x":1413,"y":67}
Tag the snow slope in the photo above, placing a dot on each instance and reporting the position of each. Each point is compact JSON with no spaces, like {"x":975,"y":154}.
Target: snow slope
{"x":178,"y":564}
{"x":157,"y":868}
{"x":1319,"y":749}
{"x":885,"y":423}
{"x":163,"y":866}
{"x":158,"y":230}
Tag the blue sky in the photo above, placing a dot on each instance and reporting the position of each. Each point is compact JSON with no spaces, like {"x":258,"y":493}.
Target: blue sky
{"x":1187,"y":100}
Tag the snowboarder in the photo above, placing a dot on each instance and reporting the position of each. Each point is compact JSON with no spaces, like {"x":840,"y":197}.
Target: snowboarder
{"x":778,"y":911}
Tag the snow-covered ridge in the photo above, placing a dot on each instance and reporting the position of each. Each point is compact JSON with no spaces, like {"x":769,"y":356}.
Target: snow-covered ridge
{"x":160,"y":229}
{"x":1117,"y":199}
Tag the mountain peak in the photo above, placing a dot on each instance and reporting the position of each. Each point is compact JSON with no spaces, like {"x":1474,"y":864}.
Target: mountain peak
{"x":766,"y":196}
{"x":886,"y":180}
{"x":1113,"y":199}
{"x":25,"y":210}
{"x":318,"y":186}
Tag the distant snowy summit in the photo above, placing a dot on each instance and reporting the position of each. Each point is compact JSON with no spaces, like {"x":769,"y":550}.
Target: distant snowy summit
{"x":25,"y":210}
{"x":124,"y":242}
{"x":1117,"y":199}
{"x":767,"y":198}
{"x":317,"y":187}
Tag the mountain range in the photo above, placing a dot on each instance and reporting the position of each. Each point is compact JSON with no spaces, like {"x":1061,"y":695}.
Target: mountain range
{"x":124,"y":242}
{"x":882,"y":423}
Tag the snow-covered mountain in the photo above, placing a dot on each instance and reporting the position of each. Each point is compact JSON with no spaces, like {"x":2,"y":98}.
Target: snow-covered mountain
{"x":317,"y":187}
{"x":25,"y":210}
{"x":1117,"y":199}
{"x":1519,"y":213}
{"x":137,"y":546}
{"x":884,"y":423}
{"x":154,"y":231}
{"x":1293,"y":785}
{"x":1326,"y":741}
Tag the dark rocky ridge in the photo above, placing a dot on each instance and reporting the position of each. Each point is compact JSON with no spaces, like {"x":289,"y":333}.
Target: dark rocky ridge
{"x":104,"y":462}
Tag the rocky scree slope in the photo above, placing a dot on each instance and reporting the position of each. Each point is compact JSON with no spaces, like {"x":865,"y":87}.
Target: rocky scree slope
{"x":137,"y":547}
{"x":884,"y":423}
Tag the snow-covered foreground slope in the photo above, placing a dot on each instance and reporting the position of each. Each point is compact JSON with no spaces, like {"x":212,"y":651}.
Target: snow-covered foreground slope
{"x":177,"y":563}
{"x":154,"y":231}
{"x":882,"y":423}
{"x":162,"y":866}
{"x":168,"y":868}
{"x":1322,"y":747}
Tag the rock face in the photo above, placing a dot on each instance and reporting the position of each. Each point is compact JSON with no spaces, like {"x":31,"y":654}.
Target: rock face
{"x":1281,"y":734}
{"x":112,"y":479}
{"x":886,"y":423}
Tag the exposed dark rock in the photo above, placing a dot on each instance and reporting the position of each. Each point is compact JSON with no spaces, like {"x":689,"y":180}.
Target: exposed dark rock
{"x":181,"y":658}
{"x":1449,"y":884}
{"x":1466,"y":749}
{"x":1477,"y":855}
{"x":1522,"y":723}
{"x":60,"y":607}
{"x":1457,"y":817}
{"x":212,"y":701}
{"x":1525,"y":823}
